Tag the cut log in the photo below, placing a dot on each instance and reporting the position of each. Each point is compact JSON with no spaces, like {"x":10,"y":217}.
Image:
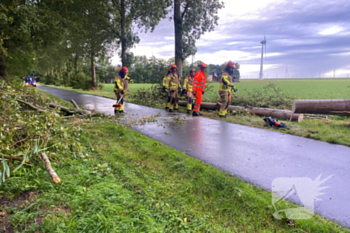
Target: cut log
{"x":324,"y":107}
{"x":267,"y":112}
{"x":49,"y":169}
{"x":75,"y":104}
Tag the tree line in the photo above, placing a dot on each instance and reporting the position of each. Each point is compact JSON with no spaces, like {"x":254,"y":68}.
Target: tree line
{"x":71,"y":41}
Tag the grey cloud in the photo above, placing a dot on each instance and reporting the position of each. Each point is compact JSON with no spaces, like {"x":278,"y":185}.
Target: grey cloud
{"x":291,"y":28}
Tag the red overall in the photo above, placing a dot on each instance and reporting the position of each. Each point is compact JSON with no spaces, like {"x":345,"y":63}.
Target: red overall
{"x":199,"y":82}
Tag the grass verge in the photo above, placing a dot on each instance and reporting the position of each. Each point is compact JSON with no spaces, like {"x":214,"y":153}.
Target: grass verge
{"x":131,"y":183}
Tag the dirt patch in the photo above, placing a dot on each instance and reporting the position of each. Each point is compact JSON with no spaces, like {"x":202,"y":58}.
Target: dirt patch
{"x":21,"y":202}
{"x":64,"y":209}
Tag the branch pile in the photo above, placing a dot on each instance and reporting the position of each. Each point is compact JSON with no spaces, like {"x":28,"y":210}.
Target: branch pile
{"x":32,"y":131}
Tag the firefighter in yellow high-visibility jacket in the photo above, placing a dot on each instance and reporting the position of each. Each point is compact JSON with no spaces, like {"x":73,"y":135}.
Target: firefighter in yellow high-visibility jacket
{"x":165,"y":88}
{"x":120,"y":86}
{"x":187,"y":89}
{"x":173,"y":86}
{"x":226,"y":86}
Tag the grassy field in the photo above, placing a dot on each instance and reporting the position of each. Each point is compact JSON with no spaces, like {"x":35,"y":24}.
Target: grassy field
{"x":131,"y":183}
{"x":300,"y":88}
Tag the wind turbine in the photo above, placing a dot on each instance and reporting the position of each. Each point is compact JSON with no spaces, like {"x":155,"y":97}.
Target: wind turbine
{"x":263,"y":43}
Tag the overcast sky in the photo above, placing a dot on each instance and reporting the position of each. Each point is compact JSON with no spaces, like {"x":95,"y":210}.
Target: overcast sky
{"x":310,"y":37}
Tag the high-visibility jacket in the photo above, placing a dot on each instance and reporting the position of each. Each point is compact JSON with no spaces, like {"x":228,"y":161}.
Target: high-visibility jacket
{"x":188,"y":83}
{"x":199,"y":81}
{"x":165,"y":81}
{"x":225,"y":82}
{"x":120,"y":83}
{"x":173,"y":81}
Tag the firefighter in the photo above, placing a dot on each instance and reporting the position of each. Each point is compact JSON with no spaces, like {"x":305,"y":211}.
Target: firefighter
{"x":173,"y":85}
{"x":187,"y":89}
{"x":165,"y":88}
{"x":198,"y":88}
{"x":226,"y":86}
{"x":120,"y":86}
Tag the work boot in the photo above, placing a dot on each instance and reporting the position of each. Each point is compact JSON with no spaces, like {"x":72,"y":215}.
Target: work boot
{"x":189,"y":111}
{"x":121,"y":111}
{"x":195,"y":114}
{"x":176,"y":109}
{"x":223,"y":116}
{"x":201,"y":114}
{"x":170,"y":110}
{"x":115,"y":111}
{"x":166,"y":108}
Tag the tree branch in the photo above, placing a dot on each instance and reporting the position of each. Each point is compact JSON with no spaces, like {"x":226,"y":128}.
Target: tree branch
{"x":30,"y":105}
{"x":75,"y":104}
{"x":183,"y":13}
{"x":49,"y":169}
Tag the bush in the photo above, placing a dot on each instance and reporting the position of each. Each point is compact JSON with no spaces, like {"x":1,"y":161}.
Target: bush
{"x":149,"y":96}
{"x":269,"y":96}
{"x":81,"y":81}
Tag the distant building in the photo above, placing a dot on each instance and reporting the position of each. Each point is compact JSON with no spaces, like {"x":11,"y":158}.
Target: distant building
{"x":210,"y":77}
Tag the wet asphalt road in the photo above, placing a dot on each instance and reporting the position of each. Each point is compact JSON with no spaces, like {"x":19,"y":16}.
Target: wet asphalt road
{"x":256,"y":155}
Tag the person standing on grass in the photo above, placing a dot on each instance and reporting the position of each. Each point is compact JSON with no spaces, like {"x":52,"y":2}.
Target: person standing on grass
{"x":120,"y":86}
{"x":198,"y":88}
{"x":226,"y":86}
{"x":165,"y":88}
{"x":187,"y":89}
{"x":173,"y":85}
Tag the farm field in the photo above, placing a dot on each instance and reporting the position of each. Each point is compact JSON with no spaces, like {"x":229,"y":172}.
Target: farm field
{"x":300,"y":88}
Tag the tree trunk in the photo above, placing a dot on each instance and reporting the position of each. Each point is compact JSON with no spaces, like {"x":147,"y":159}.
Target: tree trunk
{"x":51,"y":72}
{"x":123,"y":34}
{"x":326,"y":107}
{"x":68,"y":74}
{"x":93,"y":72}
{"x":76,"y":64}
{"x":178,"y":36}
{"x":267,"y":112}
{"x":3,"y":72}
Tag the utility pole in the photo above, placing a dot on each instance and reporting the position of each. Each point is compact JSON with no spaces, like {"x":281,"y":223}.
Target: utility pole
{"x":333,"y":73}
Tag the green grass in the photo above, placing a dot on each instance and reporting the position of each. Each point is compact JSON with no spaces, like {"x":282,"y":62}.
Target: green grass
{"x":131,"y":183}
{"x":133,"y":87}
{"x":300,"y":88}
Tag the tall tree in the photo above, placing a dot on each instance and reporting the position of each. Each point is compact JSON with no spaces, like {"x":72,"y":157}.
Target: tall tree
{"x":192,"y":18}
{"x":144,"y":14}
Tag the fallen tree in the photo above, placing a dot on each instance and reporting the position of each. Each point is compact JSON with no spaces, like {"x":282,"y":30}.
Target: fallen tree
{"x":267,"y":112}
{"x":324,"y":107}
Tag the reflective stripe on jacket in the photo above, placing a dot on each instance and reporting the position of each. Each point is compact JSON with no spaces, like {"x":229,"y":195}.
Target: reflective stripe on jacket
{"x":173,"y":81}
{"x":188,"y":83}
{"x":165,"y":81}
{"x":199,"y":81}
{"x":119,"y":84}
{"x":225,"y":82}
